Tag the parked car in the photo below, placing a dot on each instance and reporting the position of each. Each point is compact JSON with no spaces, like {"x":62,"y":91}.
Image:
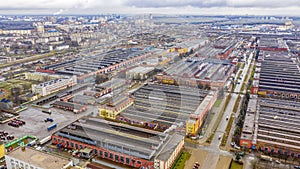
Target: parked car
{"x":237,"y":147}
{"x":49,"y":119}
{"x":242,"y":154}
{"x":196,"y":165}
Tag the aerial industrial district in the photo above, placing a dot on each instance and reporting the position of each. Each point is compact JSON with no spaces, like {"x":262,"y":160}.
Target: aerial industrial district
{"x":149,"y":92}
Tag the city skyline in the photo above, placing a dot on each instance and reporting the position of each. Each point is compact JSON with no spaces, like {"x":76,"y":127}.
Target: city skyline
{"x":195,"y":7}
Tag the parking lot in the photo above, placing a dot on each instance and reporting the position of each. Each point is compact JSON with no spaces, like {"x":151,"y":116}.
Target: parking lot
{"x":262,"y":164}
{"x":36,"y":125}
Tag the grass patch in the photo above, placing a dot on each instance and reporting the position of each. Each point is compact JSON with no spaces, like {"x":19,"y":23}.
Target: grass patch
{"x":238,"y":76}
{"x":226,"y":134}
{"x":235,"y":165}
{"x":218,"y":102}
{"x":181,"y":159}
{"x":219,"y":119}
{"x":250,"y":72}
{"x":237,"y":103}
{"x":243,"y":66}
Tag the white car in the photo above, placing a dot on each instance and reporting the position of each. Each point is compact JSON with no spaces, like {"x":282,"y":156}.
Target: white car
{"x":237,"y":147}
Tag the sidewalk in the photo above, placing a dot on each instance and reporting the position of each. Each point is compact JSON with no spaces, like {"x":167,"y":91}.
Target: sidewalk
{"x":216,"y":111}
{"x":227,"y":146}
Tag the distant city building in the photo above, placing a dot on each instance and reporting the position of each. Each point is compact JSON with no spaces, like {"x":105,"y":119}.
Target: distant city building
{"x":40,"y":29}
{"x":20,"y":31}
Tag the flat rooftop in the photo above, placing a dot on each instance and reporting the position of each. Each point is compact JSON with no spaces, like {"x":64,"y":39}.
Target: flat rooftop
{"x":165,"y":104}
{"x":122,"y":138}
{"x":279,"y":122}
{"x":197,"y":69}
{"x":95,"y":62}
{"x":141,"y":70}
{"x":38,"y":158}
{"x":279,"y":72}
{"x":111,"y":83}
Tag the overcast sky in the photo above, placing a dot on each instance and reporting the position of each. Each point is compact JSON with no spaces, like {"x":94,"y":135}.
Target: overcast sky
{"x":207,"y":7}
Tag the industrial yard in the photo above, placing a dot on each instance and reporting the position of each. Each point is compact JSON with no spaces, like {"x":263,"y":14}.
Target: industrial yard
{"x":149,"y":91}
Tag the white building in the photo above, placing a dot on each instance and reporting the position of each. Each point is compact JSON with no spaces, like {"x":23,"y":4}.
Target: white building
{"x":55,"y":85}
{"x":21,"y":32}
{"x":62,"y":47}
{"x":28,"y":158}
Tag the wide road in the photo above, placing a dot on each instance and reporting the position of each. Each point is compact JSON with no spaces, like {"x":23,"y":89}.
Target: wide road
{"x":238,"y":87}
{"x":214,"y":151}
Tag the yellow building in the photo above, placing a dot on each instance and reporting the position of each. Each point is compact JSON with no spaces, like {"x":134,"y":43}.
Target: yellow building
{"x":192,"y":126}
{"x":2,"y":149}
{"x":115,"y":106}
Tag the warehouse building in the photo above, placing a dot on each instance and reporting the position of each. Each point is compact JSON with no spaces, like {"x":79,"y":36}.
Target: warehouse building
{"x":277,"y":75}
{"x":109,"y":86}
{"x":140,"y":73}
{"x":249,"y":131}
{"x":209,"y":52}
{"x":273,"y":127}
{"x":272,"y":44}
{"x":83,"y":99}
{"x":133,"y":146}
{"x":53,"y":86}
{"x":197,"y":118}
{"x":73,"y":107}
{"x":159,"y":106}
{"x":202,"y":73}
{"x":114,"y":105}
{"x":86,"y":69}
{"x":25,"y":157}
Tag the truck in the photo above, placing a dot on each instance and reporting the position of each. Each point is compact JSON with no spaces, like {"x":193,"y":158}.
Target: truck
{"x":52,"y":127}
{"x":44,"y":140}
{"x":47,"y":112}
{"x":266,"y":158}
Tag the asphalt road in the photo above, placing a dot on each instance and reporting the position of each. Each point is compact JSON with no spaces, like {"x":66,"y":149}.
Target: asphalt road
{"x":214,"y":151}
{"x":244,"y":73}
{"x":213,"y":156}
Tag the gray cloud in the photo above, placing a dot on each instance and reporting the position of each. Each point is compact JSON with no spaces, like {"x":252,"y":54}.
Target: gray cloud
{"x":175,"y":3}
{"x":213,"y":3}
{"x":291,"y":7}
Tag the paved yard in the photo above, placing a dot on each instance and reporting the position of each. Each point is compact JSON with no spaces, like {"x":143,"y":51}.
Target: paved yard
{"x":196,"y":155}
